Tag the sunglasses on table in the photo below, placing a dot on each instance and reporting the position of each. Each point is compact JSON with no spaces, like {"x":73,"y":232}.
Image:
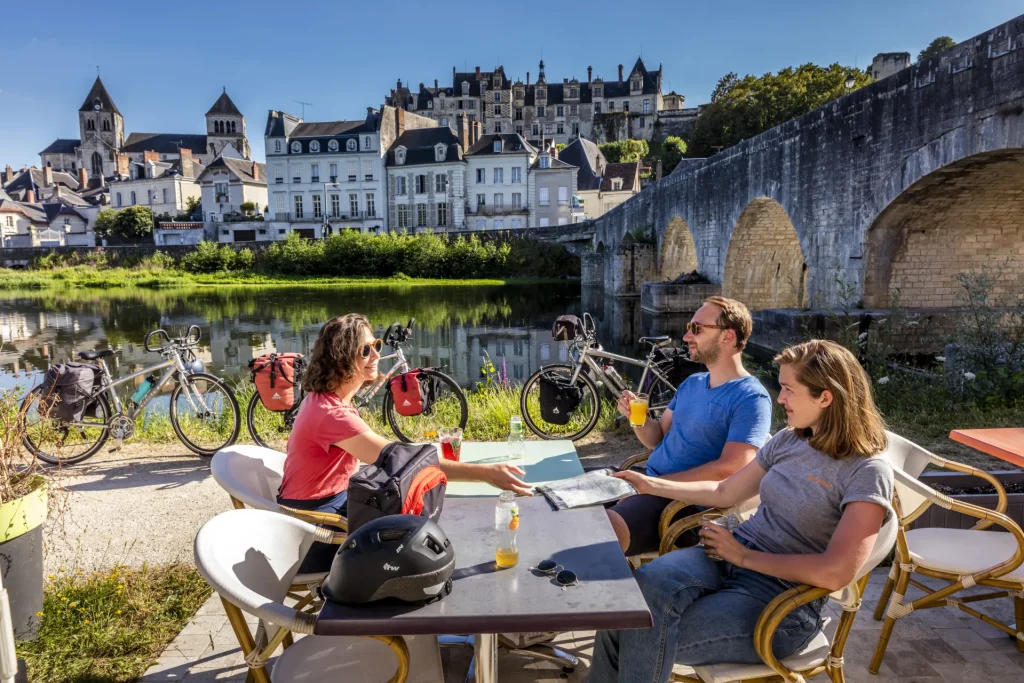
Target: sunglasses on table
{"x":695,"y":328}
{"x":376,"y":345}
{"x":563,"y":577}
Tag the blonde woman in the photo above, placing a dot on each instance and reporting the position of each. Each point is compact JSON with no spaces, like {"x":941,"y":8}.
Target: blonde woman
{"x":824,"y":502}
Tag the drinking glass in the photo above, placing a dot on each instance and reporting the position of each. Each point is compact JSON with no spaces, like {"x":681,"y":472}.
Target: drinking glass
{"x":451,"y":443}
{"x":638,"y":409}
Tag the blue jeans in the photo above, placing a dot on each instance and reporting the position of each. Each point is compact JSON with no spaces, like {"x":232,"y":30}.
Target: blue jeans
{"x":320,"y":555}
{"x":704,"y":613}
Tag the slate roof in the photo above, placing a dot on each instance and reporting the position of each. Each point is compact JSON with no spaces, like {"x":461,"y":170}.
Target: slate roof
{"x":35,"y":178}
{"x":512,"y":143}
{"x":62,"y":146}
{"x":474,"y":83}
{"x":586,"y":156}
{"x":420,"y":144}
{"x":326,"y":129}
{"x":555,"y":165}
{"x":164,"y":143}
{"x":99,"y":92}
{"x":649,"y":85}
{"x":242,"y":168}
{"x":34,"y":212}
{"x":629,"y":173}
{"x":224,"y":106}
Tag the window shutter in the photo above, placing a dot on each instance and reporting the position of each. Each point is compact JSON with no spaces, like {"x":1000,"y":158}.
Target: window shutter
{"x":430,"y":184}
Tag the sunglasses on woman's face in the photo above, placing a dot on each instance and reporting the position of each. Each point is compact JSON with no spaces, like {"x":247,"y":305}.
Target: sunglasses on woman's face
{"x":376,"y":345}
{"x":563,"y":577}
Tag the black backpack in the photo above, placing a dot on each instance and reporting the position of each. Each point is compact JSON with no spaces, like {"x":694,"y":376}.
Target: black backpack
{"x":406,"y":480}
{"x":558,"y":400}
{"x":66,"y":390}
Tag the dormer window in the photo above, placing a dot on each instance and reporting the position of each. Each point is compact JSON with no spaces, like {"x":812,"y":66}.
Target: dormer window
{"x":430,"y":104}
{"x":277,"y":146}
{"x":465,"y":88}
{"x":542,"y":94}
{"x":441,"y":152}
{"x":616,"y":184}
{"x":314,"y":146}
{"x":366,"y":142}
{"x":497,"y":146}
{"x":635,"y":85}
{"x":351,"y":145}
{"x":400,"y":156}
{"x":545,"y":161}
{"x":598,"y":91}
{"x":296,"y":147}
{"x":332,"y":145}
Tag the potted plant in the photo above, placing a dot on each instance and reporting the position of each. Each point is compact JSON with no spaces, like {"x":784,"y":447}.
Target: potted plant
{"x":23,"y":509}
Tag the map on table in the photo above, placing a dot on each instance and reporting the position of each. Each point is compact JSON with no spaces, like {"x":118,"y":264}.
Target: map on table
{"x":591,"y":488}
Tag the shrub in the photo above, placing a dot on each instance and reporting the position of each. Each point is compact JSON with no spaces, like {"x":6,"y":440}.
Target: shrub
{"x":209,"y":258}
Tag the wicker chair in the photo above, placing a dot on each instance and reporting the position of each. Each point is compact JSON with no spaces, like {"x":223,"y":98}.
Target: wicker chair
{"x":962,"y":557}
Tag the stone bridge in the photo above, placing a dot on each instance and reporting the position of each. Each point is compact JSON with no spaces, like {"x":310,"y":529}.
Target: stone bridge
{"x":895,"y":187}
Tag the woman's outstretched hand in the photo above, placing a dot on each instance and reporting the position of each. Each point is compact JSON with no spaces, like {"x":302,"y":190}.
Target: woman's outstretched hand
{"x":504,"y":476}
{"x":641,"y":482}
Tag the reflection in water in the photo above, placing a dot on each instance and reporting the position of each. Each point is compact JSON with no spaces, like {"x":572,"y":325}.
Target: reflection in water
{"x":454,"y":325}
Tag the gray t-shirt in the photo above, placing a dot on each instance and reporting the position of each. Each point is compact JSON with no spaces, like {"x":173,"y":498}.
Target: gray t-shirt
{"x":804,"y":492}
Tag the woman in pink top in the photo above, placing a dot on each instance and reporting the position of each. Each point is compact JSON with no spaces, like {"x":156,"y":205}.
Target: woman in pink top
{"x":329,"y":439}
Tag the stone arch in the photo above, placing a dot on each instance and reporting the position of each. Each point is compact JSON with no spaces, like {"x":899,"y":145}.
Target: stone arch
{"x":600,"y":247}
{"x":765,"y":266}
{"x":677,"y":253}
{"x":956,"y":218}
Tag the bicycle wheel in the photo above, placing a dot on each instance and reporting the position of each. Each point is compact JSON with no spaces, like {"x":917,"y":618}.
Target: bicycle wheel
{"x":583,"y":419}
{"x":269,"y":428}
{"x":661,"y":394}
{"x":448,"y":410}
{"x":206,"y":419}
{"x":57,"y":442}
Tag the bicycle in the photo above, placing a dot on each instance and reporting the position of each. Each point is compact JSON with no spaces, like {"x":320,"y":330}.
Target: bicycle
{"x":202,"y":411}
{"x":587,"y":374}
{"x":270,"y":429}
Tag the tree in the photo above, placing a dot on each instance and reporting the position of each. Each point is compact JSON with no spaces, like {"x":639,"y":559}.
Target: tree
{"x":106,"y":221}
{"x":940,"y":44}
{"x":192,"y":205}
{"x":672,"y":152}
{"x":248,"y":208}
{"x":134,"y":223}
{"x":741,"y":108}
{"x":625,"y":151}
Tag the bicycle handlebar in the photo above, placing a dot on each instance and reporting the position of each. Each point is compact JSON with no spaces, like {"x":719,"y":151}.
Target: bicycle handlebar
{"x":145,"y":343}
{"x":184,"y":341}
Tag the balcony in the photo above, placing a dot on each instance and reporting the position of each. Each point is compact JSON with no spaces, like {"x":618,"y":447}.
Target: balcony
{"x":488,"y":210}
{"x":315,"y":179}
{"x":296,"y":180}
{"x":368,"y":178}
{"x":352,"y":178}
{"x":279,"y":181}
{"x":334,"y":178}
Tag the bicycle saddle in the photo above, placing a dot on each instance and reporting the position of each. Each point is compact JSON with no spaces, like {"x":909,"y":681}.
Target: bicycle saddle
{"x":93,"y":355}
{"x":656,"y":341}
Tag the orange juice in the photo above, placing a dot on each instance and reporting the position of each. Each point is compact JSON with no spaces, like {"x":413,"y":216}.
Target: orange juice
{"x":638,"y":411}
{"x":507,"y":557}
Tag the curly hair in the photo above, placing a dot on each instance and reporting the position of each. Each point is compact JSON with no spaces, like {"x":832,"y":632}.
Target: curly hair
{"x":333,"y":360}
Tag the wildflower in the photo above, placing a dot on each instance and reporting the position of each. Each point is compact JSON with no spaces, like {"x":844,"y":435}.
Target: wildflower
{"x":63,"y":599}
{"x":79,"y":571}
{"x":118,"y":612}
{"x":883,"y":380}
{"x":61,"y":570}
{"x":74,"y":604}
{"x":86,"y":621}
{"x":969,"y":375}
{"x":51,"y":577}
{"x":39,"y":614}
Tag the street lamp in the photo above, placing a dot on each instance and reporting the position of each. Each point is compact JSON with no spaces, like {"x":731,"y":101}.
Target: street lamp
{"x":850,"y":81}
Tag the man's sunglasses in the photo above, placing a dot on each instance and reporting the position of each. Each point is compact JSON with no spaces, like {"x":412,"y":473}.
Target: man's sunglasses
{"x":376,"y":345}
{"x":695,"y":328}
{"x":563,"y":577}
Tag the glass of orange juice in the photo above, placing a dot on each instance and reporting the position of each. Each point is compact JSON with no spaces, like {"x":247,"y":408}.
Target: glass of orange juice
{"x":638,"y":409}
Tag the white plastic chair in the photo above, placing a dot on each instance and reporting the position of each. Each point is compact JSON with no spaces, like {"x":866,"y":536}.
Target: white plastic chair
{"x":250,"y":558}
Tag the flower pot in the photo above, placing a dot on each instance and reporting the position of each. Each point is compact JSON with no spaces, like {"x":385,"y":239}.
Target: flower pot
{"x":21,"y":557}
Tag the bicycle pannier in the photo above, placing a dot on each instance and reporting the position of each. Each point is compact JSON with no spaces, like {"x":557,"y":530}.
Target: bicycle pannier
{"x":566,"y":328}
{"x":558,"y":400}
{"x":66,"y":390}
{"x":275,"y":376}
{"x":676,"y":364}
{"x":406,"y":480}
{"x":412,"y":393}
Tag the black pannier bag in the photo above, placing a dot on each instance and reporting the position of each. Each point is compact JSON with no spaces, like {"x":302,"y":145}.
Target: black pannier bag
{"x":66,"y":390}
{"x":566,"y":328}
{"x":406,"y":480}
{"x":675,"y":363}
{"x":558,"y":400}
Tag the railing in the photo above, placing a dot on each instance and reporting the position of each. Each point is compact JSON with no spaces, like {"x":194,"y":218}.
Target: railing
{"x":352,"y":178}
{"x":490,"y":210}
{"x":315,"y":179}
{"x":368,"y":177}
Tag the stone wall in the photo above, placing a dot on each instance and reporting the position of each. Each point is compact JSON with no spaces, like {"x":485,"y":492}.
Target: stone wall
{"x":628,"y":267}
{"x":668,"y":297}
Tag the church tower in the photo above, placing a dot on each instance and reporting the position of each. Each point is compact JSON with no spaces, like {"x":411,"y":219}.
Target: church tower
{"x":102,"y":132}
{"x":225,"y":125}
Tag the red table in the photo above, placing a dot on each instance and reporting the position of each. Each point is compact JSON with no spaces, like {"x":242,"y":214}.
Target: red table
{"x":1005,"y":444}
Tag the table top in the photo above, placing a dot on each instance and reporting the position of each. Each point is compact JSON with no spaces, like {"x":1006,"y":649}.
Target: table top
{"x":1006,"y":443}
{"x":544,"y":461}
{"x":487,"y":600}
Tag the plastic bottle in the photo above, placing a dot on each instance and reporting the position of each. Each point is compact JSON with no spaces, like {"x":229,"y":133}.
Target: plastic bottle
{"x":506,"y":523}
{"x":143,"y":389}
{"x":516,"y":440}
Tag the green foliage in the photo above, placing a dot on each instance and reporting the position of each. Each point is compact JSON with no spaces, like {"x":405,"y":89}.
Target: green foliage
{"x":940,"y":44}
{"x":560,"y":146}
{"x":192,"y":205}
{"x":741,"y":108}
{"x":132,"y":223}
{"x":248,"y":208}
{"x":671,"y":151}
{"x":106,"y":220}
{"x":210,"y":258}
{"x":625,"y":151}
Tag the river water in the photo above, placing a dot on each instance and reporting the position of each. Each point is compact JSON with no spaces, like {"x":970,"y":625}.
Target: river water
{"x":456,"y":328}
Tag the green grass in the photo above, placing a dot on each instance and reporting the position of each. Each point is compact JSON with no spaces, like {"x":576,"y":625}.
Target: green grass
{"x":109,"y":627}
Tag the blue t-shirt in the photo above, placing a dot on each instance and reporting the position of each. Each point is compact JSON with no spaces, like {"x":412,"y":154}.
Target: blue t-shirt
{"x":704,"y":419}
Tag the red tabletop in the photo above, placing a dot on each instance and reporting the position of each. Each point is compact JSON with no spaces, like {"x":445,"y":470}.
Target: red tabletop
{"x":1005,"y":444}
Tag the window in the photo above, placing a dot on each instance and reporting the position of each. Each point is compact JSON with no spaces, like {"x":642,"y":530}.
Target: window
{"x":536,"y":130}
{"x":400,"y":185}
{"x":441,"y":183}
{"x":481,"y":200}
{"x":544,"y":222}
{"x":444,"y":121}
{"x":317,"y":210}
{"x":314,"y":172}
{"x":133,"y":198}
{"x":560,"y":129}
{"x":465,"y":88}
{"x":281,"y":231}
{"x":597,"y":91}
{"x":519,"y":130}
{"x":497,"y":96}
{"x":296,"y":147}
{"x":548,"y":128}
{"x":563,"y":195}
{"x":281,"y":203}
{"x":625,"y":105}
{"x":499,"y":224}
{"x":440,"y":152}
{"x":335,"y":206}
{"x":430,"y":104}
{"x":481,"y":224}
{"x":560,"y":111}
{"x":647,"y":106}
{"x":471,"y":104}
{"x":351,"y":145}
{"x":517,"y":200}
{"x":334,"y":173}
{"x":616,"y":184}
{"x":403,"y":216}
{"x":540,"y":112}
{"x":10,"y":219}
{"x":90,"y":125}
{"x":367,"y":170}
{"x":352,"y":171}
{"x":542,"y":196}
{"x":367,"y":143}
{"x":611,"y":105}
{"x":517,"y":175}
{"x":574,"y":92}
{"x":442,"y":215}
{"x":519,"y":114}
{"x":574,"y":110}
{"x":635,"y":84}
{"x":296,"y":177}
{"x":562,"y":220}
{"x":517,"y":223}
{"x":165,"y":195}
{"x":298,"y":205}
{"x":118,"y":203}
{"x":277,"y":146}
{"x":499,"y":200}
{"x":481,"y":175}
{"x":597,"y":107}
{"x":314,"y":146}
{"x":421,"y":215}
{"x":279,"y":174}
{"x":542,"y":93}
{"x":642,"y":122}
{"x":353,"y":205}
{"x":545,"y":161}
{"x":499,"y":176}
{"x":576,"y":128}
{"x":371,"y":205}
{"x":332,"y":145}
{"x":421,"y":184}
{"x":497,"y":143}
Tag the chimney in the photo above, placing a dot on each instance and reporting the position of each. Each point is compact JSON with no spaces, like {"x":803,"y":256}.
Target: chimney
{"x":399,"y":122}
{"x":476,"y":131}
{"x":123,"y":164}
{"x":554,"y":149}
{"x":8,"y":174}
{"x":454,"y":75}
{"x":435,"y":85}
{"x":399,"y":86}
{"x":187,"y":171}
{"x":255,"y":171}
{"x":150,"y":156}
{"x":620,"y":73}
{"x":30,"y":196}
{"x":462,"y":131}
{"x":47,"y":176}
{"x":56,"y":192}
{"x":590,"y":73}
{"x":565,"y":81}
{"x":527,"y":79}
{"x":83,"y":179}
{"x":478,"y":73}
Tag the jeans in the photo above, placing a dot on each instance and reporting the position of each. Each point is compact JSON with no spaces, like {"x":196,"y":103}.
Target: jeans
{"x":704,"y":613}
{"x":319,"y":557}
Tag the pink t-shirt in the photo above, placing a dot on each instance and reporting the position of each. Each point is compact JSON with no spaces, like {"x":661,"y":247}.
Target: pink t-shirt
{"x":315,"y":467}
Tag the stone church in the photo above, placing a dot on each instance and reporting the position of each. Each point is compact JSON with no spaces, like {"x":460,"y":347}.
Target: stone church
{"x":101,"y":125}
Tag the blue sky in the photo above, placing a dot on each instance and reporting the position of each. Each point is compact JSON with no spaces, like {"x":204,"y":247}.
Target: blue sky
{"x":165,"y":63}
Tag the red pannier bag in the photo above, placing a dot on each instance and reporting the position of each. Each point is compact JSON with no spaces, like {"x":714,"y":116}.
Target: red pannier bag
{"x":275,"y":376}
{"x":410,"y":393}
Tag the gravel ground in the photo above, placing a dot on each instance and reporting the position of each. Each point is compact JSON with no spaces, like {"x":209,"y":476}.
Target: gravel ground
{"x":146,"y":503}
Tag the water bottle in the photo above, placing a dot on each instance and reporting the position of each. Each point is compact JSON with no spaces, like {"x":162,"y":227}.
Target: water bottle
{"x":516,"y":440}
{"x":143,"y":389}
{"x":506,"y":524}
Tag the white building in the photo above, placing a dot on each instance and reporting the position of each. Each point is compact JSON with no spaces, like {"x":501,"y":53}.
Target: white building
{"x":552,"y":191}
{"x":53,"y":224}
{"x":228,"y":183}
{"x":426,"y":181}
{"x":165,"y":187}
{"x":496,"y":181}
{"x":600,"y":186}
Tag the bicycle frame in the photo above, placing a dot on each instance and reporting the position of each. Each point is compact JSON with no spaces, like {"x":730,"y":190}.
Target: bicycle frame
{"x":366,"y":395}
{"x":587,"y":356}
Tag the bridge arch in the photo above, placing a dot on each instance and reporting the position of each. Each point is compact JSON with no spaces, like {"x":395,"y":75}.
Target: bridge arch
{"x":677,"y":252}
{"x":956,"y":218}
{"x":764,"y":265}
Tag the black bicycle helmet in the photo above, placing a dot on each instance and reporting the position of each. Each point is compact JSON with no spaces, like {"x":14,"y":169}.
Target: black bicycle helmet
{"x":404,"y":557}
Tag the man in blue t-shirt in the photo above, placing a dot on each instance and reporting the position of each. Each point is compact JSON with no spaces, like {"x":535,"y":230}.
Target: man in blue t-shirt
{"x":712,"y":428}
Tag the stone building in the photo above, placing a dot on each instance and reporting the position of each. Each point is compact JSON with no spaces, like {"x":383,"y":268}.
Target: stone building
{"x":228,"y":183}
{"x":165,"y":187}
{"x":426,"y":181}
{"x":552,"y":191}
{"x":497,"y":180}
{"x":885,"y":64}
{"x":60,"y":221}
